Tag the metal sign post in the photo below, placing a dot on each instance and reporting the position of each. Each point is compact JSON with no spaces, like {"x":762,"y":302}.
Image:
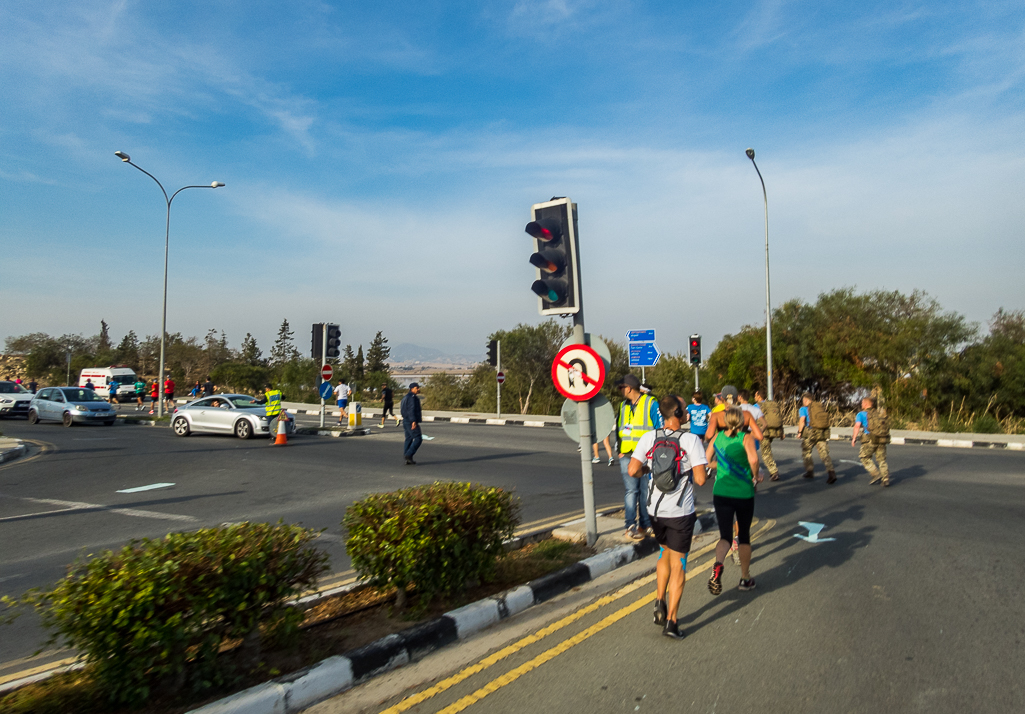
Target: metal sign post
{"x":498,"y":402}
{"x":323,"y":360}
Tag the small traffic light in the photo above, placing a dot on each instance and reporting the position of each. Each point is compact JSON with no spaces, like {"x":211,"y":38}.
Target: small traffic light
{"x":317,"y":343}
{"x":557,"y":283}
{"x":493,"y":353}
{"x":695,"y":350}
{"x":334,"y":341}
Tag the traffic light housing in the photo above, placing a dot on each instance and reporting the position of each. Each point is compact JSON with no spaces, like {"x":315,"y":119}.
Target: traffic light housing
{"x":317,"y":343}
{"x":334,"y":341}
{"x":493,"y":353}
{"x":695,"y":350}
{"x":557,"y":267}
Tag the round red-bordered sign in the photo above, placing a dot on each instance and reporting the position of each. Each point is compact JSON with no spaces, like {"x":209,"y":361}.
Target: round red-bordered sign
{"x":326,"y":372}
{"x":578,"y":372}
{"x":500,"y":377}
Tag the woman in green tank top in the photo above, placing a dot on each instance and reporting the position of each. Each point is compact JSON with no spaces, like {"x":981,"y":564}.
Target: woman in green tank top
{"x":733,"y":495}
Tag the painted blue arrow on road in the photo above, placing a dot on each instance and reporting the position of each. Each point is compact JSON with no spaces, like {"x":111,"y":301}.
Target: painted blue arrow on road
{"x":640,"y":336}
{"x":813,"y":532}
{"x":644,"y":354}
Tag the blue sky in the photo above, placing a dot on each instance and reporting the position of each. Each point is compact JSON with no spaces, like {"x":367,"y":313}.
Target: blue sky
{"x":381,"y":161}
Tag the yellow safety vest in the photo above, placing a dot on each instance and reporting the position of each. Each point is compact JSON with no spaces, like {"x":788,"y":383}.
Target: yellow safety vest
{"x":273,"y":402}
{"x":634,"y":420}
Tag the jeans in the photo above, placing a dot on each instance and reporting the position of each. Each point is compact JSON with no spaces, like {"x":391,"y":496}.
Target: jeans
{"x":636,"y":495}
{"x":413,"y":439}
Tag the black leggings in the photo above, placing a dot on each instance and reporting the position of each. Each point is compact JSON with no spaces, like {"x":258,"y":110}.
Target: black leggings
{"x":744,"y":510}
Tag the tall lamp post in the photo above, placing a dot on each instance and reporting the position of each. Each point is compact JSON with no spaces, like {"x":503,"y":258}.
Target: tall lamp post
{"x":167,"y":234}
{"x":768,"y":305}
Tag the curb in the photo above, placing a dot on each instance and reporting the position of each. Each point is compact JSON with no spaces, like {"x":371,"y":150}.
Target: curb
{"x":13,"y":452}
{"x":949,"y":443}
{"x":293,"y":693}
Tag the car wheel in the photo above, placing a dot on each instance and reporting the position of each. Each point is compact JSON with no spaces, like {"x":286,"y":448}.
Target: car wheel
{"x":33,"y":418}
{"x":243,"y":429}
{"x":181,"y":426}
{"x":67,"y":420}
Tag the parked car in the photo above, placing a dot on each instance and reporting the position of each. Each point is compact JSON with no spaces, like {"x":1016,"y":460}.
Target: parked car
{"x":70,"y":405}
{"x":237,"y":414}
{"x":14,"y":399}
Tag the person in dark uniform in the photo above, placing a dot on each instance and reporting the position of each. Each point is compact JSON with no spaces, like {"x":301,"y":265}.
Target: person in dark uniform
{"x":389,"y":406}
{"x":409,"y":408}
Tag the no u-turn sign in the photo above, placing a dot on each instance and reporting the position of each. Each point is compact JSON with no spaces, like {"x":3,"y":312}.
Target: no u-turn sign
{"x":578,"y":372}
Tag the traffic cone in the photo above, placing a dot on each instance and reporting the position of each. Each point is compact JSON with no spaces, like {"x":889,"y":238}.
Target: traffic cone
{"x":282,"y":438}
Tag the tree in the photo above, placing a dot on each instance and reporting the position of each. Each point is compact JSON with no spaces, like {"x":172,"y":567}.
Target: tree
{"x":360,"y":367}
{"x":250,"y":353}
{"x":103,"y":343}
{"x":127,"y":351}
{"x":527,"y":356}
{"x":378,"y":354}
{"x":444,"y":391}
{"x":284,"y":347}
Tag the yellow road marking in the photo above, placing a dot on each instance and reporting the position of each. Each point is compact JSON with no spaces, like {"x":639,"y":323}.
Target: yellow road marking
{"x":36,"y":670}
{"x":514,"y":674}
{"x":44,"y":446}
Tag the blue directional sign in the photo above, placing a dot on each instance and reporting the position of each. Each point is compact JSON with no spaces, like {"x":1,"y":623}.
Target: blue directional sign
{"x":644,"y":354}
{"x":326,"y":390}
{"x":640,"y":336}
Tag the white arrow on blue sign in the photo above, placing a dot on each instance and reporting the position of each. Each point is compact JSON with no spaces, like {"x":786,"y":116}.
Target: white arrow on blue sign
{"x":325,"y":390}
{"x":644,"y":354}
{"x":640,"y":336}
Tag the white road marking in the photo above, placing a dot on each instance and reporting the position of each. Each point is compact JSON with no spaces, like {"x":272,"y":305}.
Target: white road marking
{"x":848,"y":461}
{"x":428,"y":438}
{"x":146,"y":488}
{"x":76,"y":506}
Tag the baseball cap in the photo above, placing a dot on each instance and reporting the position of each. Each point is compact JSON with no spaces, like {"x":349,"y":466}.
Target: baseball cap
{"x":629,"y":381}
{"x":730,"y":390}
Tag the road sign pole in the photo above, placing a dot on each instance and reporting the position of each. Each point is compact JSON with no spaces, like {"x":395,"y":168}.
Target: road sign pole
{"x":323,"y":360}
{"x":696,"y":386}
{"x":498,"y":353}
{"x":643,"y":380}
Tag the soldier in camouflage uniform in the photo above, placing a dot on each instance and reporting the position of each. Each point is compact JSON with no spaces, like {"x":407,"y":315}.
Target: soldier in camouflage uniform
{"x":813,"y":437}
{"x":769,"y":433}
{"x":871,"y":447}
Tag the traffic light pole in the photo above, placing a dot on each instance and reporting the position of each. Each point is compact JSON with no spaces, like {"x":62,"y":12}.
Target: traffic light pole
{"x":498,"y":368}
{"x":696,"y":386}
{"x":323,"y":361}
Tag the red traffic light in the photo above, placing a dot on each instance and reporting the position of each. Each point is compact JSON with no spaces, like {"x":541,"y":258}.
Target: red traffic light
{"x":546,"y":230}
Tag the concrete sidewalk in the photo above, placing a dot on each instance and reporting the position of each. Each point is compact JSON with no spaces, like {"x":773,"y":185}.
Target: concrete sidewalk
{"x":11,"y":449}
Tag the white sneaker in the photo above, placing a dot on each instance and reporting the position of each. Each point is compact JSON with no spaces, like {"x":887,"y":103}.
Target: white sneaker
{"x":595,"y":460}
{"x":380,"y":426}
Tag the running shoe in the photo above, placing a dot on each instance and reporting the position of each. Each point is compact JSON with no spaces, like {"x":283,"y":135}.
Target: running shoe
{"x":660,"y":612}
{"x":715,"y":580}
{"x":595,"y":460}
{"x":746,"y":584}
{"x":735,"y":552}
{"x":380,"y":426}
{"x":671,"y":629}
{"x":612,"y":462}
{"x":632,"y":532}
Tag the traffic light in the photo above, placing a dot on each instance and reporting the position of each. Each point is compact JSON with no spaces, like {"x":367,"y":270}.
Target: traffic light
{"x":695,"y":350}
{"x":557,"y":283}
{"x":317,"y":343}
{"x":334,"y":341}
{"x":493,"y":353}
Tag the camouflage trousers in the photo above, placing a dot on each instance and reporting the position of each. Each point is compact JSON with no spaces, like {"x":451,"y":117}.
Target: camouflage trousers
{"x":767,"y":457}
{"x":814,"y":439}
{"x":869,"y":450}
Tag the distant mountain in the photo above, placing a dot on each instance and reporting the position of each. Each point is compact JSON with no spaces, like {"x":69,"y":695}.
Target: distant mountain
{"x":407,"y":352}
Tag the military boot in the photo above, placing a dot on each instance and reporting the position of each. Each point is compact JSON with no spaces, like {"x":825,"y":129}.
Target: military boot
{"x":832,"y":477}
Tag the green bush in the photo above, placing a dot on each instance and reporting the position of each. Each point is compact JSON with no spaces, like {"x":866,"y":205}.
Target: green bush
{"x":155,"y":614}
{"x":437,"y":539}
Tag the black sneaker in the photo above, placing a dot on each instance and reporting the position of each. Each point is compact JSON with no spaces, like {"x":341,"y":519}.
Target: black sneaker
{"x":748,"y":584}
{"x":672,"y":630}
{"x":660,"y":612}
{"x":715,"y":580}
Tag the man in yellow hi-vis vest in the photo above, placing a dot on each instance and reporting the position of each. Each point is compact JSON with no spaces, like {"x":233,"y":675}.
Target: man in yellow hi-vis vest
{"x":637,"y":414}
{"x":272,"y":400}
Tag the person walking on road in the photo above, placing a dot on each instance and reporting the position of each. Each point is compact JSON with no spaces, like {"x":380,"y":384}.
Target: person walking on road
{"x":154,"y":393}
{"x":409,"y":408}
{"x":112,"y":386}
{"x":389,"y":406}
{"x":169,"y":393}
{"x":699,"y":413}
{"x":638,"y":414}
{"x":874,"y":427}
{"x":140,"y":393}
{"x":813,"y":430}
{"x":208,"y":387}
{"x":772,"y":428}
{"x":733,"y":495}
{"x":672,"y":512}
{"x":342,"y":398}
{"x":608,"y":451}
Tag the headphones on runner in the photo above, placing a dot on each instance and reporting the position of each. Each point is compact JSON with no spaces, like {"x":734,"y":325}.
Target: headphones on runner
{"x":678,"y":412}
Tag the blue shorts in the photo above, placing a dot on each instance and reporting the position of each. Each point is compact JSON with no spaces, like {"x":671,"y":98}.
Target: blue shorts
{"x":342,"y":403}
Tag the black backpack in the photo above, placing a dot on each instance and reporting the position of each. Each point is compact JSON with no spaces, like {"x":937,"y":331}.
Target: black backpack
{"x":666,"y":456}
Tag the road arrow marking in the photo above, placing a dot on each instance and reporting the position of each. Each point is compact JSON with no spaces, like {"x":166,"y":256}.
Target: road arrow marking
{"x":146,"y":488}
{"x":813,"y":532}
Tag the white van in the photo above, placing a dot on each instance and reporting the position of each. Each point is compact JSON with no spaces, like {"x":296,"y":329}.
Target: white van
{"x":102,"y":377}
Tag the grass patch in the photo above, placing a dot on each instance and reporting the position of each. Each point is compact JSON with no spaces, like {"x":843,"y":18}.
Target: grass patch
{"x":333,"y":626}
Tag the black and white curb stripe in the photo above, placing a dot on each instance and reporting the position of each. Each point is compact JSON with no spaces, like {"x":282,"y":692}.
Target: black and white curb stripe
{"x":949,"y":443}
{"x":335,"y":675}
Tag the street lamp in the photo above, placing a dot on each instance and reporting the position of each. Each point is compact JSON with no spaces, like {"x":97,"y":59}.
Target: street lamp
{"x":768,"y":306}
{"x":167,"y":234}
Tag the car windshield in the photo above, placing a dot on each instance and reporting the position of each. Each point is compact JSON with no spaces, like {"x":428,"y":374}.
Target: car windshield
{"x":245,"y":402}
{"x":11,"y":388}
{"x":81,"y":395}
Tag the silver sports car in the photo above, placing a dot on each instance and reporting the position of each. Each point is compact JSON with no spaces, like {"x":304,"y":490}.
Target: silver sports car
{"x":237,"y":414}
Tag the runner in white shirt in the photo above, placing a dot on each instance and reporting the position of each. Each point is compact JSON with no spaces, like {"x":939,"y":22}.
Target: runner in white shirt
{"x":342,"y":397}
{"x":672,"y":514}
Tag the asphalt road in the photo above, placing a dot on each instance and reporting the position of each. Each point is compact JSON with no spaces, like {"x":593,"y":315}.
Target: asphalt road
{"x":913,"y":605}
{"x":62,"y":499}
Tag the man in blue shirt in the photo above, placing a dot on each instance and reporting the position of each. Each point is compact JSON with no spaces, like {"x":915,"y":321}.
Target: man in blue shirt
{"x":698,"y":412}
{"x":813,"y":430}
{"x":871,"y":447}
